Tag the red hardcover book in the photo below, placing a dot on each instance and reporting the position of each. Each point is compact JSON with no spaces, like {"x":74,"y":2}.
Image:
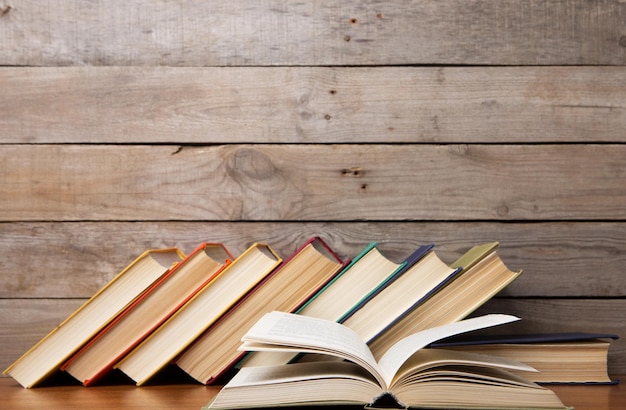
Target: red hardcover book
{"x":47,"y":356}
{"x":287,"y":288}
{"x":160,"y":349}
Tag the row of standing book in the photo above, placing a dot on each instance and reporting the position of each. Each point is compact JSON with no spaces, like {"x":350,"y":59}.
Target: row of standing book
{"x":191,"y":311}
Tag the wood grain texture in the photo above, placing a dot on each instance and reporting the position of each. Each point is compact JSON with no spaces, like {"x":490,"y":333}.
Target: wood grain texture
{"x":312,"y":182}
{"x":321,"y":32}
{"x":26,"y":321}
{"x":312,"y":104}
{"x":73,"y":260}
{"x":128,"y":125}
{"x":123,"y":396}
{"x":592,"y":397}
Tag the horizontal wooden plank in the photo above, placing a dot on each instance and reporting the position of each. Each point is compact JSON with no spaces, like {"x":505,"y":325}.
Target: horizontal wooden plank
{"x":312,"y":105}
{"x":322,"y":32}
{"x":24,"y":322}
{"x":312,"y":182}
{"x":567,"y":315}
{"x":73,"y":260}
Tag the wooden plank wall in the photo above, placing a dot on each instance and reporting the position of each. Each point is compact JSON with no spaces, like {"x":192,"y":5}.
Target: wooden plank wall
{"x":127,"y":125}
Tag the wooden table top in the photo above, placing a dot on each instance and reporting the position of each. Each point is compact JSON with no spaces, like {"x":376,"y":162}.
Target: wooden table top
{"x":191,"y":396}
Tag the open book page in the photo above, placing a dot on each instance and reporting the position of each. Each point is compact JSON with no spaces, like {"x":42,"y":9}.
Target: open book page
{"x":294,"y":372}
{"x":279,"y":331}
{"x":401,"y":351}
{"x":295,"y":384}
{"x":425,"y":361}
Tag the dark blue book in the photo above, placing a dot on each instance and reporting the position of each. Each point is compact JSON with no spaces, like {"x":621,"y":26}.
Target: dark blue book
{"x":384,"y":306}
{"x":560,"y":358}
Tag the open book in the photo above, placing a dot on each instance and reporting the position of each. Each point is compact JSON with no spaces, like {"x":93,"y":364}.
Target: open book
{"x":406,"y":376}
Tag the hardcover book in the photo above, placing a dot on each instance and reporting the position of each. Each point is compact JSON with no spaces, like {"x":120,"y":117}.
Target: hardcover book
{"x":369,"y":270}
{"x":206,"y":306}
{"x":388,"y":304}
{"x":47,"y":356}
{"x":287,"y":288}
{"x":560,"y":358}
{"x":147,"y":312}
{"x":471,"y":288}
{"x":405,"y":376}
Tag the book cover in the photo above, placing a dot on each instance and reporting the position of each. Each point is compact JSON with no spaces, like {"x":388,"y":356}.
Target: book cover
{"x":287,"y":288}
{"x":147,"y":312}
{"x":388,"y":305}
{"x":521,"y":338}
{"x":475,"y":255}
{"x":408,"y":263}
{"x":198,"y":313}
{"x":369,"y":270}
{"x":560,"y":358}
{"x":468,"y":289}
{"x":349,"y":265}
{"x":47,"y":356}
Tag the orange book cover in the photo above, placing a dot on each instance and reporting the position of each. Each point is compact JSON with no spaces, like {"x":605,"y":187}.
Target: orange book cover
{"x":160,"y":350}
{"x":48,"y":361}
{"x":104,"y":370}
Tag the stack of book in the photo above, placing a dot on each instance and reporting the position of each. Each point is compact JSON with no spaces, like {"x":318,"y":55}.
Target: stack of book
{"x":192,"y":312}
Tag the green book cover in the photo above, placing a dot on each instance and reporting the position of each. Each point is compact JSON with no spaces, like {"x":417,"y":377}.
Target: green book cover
{"x":356,"y":259}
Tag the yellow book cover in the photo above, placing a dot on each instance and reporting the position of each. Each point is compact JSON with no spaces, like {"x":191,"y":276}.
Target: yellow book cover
{"x":206,"y":307}
{"x":47,"y":355}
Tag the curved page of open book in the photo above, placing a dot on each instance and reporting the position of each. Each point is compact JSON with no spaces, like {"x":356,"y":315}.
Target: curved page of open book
{"x":279,"y":331}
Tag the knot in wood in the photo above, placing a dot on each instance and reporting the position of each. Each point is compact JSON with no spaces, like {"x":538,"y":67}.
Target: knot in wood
{"x":502,"y":210}
{"x":356,"y":172}
{"x":248,"y":164}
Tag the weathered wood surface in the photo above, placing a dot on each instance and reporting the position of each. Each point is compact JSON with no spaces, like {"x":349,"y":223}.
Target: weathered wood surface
{"x":148,"y":124}
{"x":73,"y":260}
{"x":312,"y":182}
{"x":322,"y":32}
{"x":26,"y":321}
{"x":312,"y":104}
{"x":181,"y":396}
